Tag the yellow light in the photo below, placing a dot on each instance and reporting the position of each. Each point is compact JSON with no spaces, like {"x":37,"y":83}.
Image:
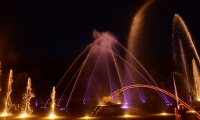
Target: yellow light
{"x":192,"y":111}
{"x":163,"y":113}
{"x":52,"y":116}
{"x":118,"y":102}
{"x":23,"y":115}
{"x":86,"y":117}
{"x":4,"y":114}
{"x":126,"y":115}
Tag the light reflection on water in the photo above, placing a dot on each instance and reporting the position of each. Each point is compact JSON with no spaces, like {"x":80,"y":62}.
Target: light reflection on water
{"x":159,"y":116}
{"x":125,"y":117}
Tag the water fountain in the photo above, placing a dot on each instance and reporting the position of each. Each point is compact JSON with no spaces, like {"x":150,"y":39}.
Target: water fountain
{"x":105,"y":54}
{"x":7,"y":99}
{"x":181,"y":32}
{"x":108,"y":70}
{"x":181,"y":39}
{"x":27,"y":96}
{"x":196,"y":79}
{"x":52,"y":110}
{"x":185,"y":67}
{"x":175,"y":89}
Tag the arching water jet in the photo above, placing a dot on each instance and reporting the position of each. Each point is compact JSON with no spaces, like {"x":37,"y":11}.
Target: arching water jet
{"x":179,"y":22}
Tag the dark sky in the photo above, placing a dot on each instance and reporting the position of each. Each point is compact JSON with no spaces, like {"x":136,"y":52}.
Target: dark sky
{"x":43,"y":30}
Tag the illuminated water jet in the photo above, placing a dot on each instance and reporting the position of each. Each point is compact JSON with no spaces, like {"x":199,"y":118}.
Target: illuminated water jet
{"x":179,"y":22}
{"x":52,"y":111}
{"x":182,"y":35}
{"x":135,"y":35}
{"x":103,"y":70}
{"x":175,"y":89}
{"x":27,"y":96}
{"x":196,"y":79}
{"x":7,"y":99}
{"x":185,"y":66}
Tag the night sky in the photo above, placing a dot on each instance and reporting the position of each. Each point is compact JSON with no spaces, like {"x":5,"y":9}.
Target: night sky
{"x":59,"y":30}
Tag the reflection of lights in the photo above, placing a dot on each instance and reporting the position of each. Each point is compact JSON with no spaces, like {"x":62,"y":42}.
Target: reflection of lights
{"x":4,"y":114}
{"x":52,"y":116}
{"x":198,"y":99}
{"x":126,"y":115}
{"x":62,"y":109}
{"x":164,"y":113}
{"x":191,"y":111}
{"x":129,"y":116}
{"x":169,"y":104}
{"x":36,"y":104}
{"x":119,"y":103}
{"x":124,"y":106}
{"x":23,"y":115}
{"x":43,"y":107}
{"x":86,"y":117}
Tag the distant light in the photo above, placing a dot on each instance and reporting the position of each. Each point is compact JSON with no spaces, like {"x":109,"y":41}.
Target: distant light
{"x":43,"y":107}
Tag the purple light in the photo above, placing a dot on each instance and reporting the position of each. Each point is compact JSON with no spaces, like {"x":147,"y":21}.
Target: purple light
{"x":36,"y":104}
{"x":62,"y":109}
{"x":169,"y":104}
{"x":124,"y":106}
